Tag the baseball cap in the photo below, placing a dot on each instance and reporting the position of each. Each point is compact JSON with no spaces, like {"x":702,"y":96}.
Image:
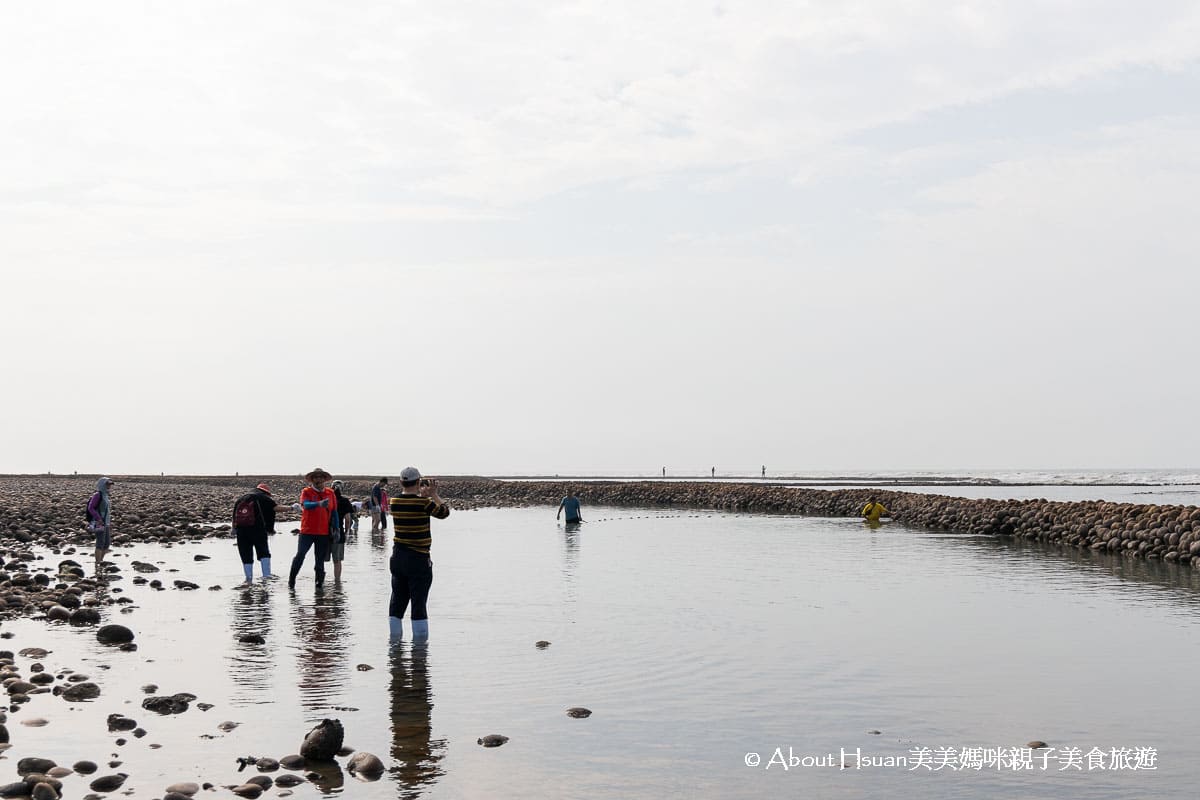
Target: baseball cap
{"x":262,"y":487}
{"x":410,"y":474}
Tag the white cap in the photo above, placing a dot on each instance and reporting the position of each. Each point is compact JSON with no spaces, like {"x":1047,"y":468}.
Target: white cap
{"x":410,"y":474}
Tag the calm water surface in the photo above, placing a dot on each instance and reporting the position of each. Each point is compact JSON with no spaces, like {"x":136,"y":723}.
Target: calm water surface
{"x":696,"y":639}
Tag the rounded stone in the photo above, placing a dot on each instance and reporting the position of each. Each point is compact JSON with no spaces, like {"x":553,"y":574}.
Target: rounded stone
{"x":492,"y":740}
{"x":81,"y":691}
{"x":365,"y":765}
{"x":323,"y":741}
{"x":108,"y":783}
{"x":44,"y":791}
{"x":292,"y":762}
{"x":84,"y":615}
{"x":185,"y":787}
{"x":34,"y":764}
{"x":114,"y":634}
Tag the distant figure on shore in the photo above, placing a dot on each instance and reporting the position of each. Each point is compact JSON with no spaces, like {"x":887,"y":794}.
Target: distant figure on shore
{"x":379,"y":501}
{"x":714,"y":472}
{"x":253,"y":522}
{"x":873,"y":510}
{"x":337,"y":548}
{"x":570,"y":504}
{"x":411,"y":566}
{"x":99,"y":509}
{"x":664,"y":472}
{"x":318,"y":511}
{"x":764,"y":470}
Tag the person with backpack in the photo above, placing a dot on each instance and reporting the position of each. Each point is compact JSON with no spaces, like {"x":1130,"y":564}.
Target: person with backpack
{"x":318,"y":517}
{"x":99,"y":516}
{"x":253,"y":522}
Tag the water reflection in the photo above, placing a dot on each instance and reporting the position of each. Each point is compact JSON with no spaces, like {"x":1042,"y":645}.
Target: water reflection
{"x":329,"y":775}
{"x":253,"y":653}
{"x":571,"y":541}
{"x":416,"y":755}
{"x":381,"y":540}
{"x":322,"y":646}
{"x":1181,"y":582}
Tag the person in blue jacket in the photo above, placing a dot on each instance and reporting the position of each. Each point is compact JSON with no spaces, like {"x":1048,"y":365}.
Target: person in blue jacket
{"x":570,"y":504}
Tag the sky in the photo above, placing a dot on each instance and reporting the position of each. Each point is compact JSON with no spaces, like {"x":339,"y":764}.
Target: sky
{"x":599,"y":237}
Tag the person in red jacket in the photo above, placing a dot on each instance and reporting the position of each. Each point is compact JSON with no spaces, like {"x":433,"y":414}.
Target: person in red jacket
{"x":318,"y":516}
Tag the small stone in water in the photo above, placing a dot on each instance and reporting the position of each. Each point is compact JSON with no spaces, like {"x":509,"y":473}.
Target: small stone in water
{"x":492,"y":740}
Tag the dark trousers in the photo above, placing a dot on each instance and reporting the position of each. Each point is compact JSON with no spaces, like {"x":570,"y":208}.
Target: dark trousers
{"x":307,"y":541}
{"x":412,"y":575}
{"x":250,"y":541}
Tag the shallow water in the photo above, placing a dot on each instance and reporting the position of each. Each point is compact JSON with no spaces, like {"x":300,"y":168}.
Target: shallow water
{"x":695,"y":639}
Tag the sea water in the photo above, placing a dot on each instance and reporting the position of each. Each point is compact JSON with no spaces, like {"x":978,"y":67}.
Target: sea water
{"x":722,"y":656}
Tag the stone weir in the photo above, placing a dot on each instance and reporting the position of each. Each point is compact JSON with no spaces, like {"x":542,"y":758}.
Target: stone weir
{"x":1171,"y":533}
{"x":46,"y":510}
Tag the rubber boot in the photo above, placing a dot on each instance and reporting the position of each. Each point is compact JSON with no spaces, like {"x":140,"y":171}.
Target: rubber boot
{"x":295,"y":570}
{"x":249,"y":570}
{"x":395,"y":628}
{"x":420,"y":630}
{"x":266,"y":567}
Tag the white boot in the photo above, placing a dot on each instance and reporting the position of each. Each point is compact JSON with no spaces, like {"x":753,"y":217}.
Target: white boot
{"x":420,"y":630}
{"x":395,"y":627}
{"x":266,"y":567}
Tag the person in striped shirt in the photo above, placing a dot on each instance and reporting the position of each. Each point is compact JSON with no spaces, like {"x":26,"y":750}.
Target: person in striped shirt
{"x":410,"y":565}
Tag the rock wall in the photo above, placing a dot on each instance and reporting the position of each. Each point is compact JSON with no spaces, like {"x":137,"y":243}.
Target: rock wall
{"x":48,"y":509}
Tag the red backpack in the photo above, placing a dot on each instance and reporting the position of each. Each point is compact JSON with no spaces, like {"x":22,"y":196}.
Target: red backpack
{"x":245,"y":513}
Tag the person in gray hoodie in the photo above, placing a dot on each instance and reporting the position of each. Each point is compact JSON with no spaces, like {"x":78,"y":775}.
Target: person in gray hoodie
{"x":100,"y":519}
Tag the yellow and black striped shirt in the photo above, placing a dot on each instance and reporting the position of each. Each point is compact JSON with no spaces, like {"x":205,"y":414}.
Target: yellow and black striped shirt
{"x":410,"y":520}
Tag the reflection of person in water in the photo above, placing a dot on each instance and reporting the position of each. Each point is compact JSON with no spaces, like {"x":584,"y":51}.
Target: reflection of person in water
{"x":322,"y":656}
{"x":416,"y":755}
{"x":251,"y":663}
{"x":571,"y":540}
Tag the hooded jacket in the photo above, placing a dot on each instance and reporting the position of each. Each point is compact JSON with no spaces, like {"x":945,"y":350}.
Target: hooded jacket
{"x":99,"y":508}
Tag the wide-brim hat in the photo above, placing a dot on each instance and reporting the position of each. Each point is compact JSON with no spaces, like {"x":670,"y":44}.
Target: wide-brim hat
{"x":318,"y":474}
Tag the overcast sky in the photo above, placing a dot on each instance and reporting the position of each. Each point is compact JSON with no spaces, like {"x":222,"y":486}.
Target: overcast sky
{"x":599,"y":236}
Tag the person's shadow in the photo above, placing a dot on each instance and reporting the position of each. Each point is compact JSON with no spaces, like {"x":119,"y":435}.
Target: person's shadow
{"x":416,"y":755}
